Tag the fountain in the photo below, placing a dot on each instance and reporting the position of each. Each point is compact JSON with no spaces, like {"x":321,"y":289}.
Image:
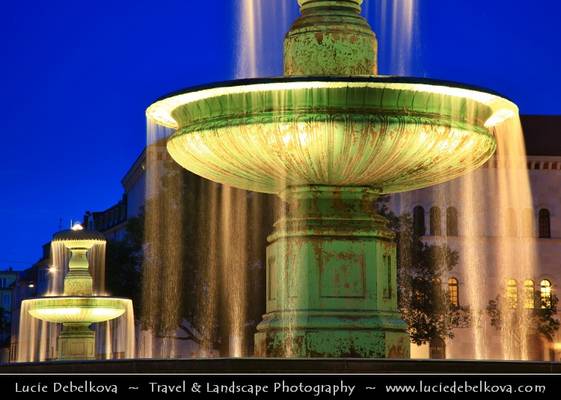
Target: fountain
{"x":329,"y":137}
{"x":78,"y":307}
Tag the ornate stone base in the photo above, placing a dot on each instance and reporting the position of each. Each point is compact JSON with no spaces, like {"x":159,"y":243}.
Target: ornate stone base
{"x":76,"y":342}
{"x":344,"y":336}
{"x":331,"y":279}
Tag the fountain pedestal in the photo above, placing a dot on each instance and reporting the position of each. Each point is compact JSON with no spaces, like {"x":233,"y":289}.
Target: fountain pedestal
{"x":331,"y":279}
{"x":76,"y":342}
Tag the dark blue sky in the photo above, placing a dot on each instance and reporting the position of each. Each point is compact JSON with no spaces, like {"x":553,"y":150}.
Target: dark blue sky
{"x":76,"y":77}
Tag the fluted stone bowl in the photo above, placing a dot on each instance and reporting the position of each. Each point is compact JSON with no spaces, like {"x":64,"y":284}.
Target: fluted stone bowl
{"x":390,"y":133}
{"x":77,"y":309}
{"x":79,"y":238}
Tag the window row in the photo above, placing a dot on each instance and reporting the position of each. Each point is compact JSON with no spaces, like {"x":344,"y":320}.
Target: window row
{"x":511,"y":228}
{"x":529,"y":294}
{"x":435,"y":221}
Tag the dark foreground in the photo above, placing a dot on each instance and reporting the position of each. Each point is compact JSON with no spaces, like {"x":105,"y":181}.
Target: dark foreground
{"x":276,"y":365}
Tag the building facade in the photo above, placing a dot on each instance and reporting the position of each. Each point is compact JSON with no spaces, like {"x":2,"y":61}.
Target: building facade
{"x":8,"y":279}
{"x":442,"y":216}
{"x":31,"y":282}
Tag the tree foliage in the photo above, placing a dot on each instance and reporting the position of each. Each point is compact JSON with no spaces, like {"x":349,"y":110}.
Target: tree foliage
{"x":423,"y":268}
{"x":4,"y":322}
{"x":4,"y":327}
{"x":541,"y":319}
{"x":123,"y":263}
{"x":139,"y":267}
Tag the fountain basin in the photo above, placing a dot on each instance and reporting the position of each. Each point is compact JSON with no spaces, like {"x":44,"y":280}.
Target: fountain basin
{"x":389,"y":133}
{"x":77,"y":309}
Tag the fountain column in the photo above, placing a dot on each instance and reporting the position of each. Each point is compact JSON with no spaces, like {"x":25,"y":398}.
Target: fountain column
{"x":76,"y":340}
{"x":331,"y":264}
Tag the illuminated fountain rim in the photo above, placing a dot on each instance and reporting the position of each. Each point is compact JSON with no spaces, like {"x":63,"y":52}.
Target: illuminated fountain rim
{"x":161,"y":110}
{"x":392,"y":134}
{"x":76,"y":309}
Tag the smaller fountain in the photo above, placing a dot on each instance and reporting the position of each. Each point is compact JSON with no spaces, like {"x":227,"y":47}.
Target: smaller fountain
{"x":79,"y":306}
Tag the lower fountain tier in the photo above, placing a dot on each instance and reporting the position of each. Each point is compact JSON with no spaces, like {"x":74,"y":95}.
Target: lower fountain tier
{"x":77,"y":309}
{"x":76,"y":342}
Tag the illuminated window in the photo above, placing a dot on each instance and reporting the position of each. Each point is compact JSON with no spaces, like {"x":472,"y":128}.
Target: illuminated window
{"x":512,"y":293}
{"x":453,"y":291}
{"x":451,"y":221}
{"x":544,"y":226}
{"x":419,"y":220}
{"x":545,"y":293}
{"x":435,"y":228}
{"x":528,"y":294}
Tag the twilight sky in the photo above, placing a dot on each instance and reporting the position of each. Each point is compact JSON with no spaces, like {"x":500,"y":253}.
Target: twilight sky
{"x":76,"y":77}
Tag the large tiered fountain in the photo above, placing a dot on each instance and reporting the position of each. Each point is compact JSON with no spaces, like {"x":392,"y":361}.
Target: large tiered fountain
{"x":78,"y":307}
{"x":329,"y":137}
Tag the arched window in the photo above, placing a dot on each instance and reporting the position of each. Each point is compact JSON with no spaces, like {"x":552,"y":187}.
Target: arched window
{"x":545,"y":293}
{"x":435,"y":226}
{"x":419,"y":221}
{"x":544,"y":225}
{"x":528,"y":294}
{"x":451,"y":221}
{"x":510,"y":222}
{"x":453,"y":291}
{"x":512,"y":293}
{"x":528,"y":222}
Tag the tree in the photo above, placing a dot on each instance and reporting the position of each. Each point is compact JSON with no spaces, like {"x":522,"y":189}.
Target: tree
{"x":4,"y":326}
{"x":423,"y":301}
{"x":178,"y":263}
{"x":4,"y":323}
{"x":123,"y":263}
{"x":539,"y":320}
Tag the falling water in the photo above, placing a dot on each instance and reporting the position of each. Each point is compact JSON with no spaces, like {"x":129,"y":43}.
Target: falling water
{"x":208,"y":290}
{"x":115,"y":339}
{"x":261,"y":26}
{"x":234,"y":220}
{"x":60,"y":256}
{"x":163,"y":253}
{"x":517,"y":254}
{"x":96,"y":260}
{"x":494,"y":246}
{"x":396,"y":23}
{"x":197,"y":235}
{"x":32,"y":337}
